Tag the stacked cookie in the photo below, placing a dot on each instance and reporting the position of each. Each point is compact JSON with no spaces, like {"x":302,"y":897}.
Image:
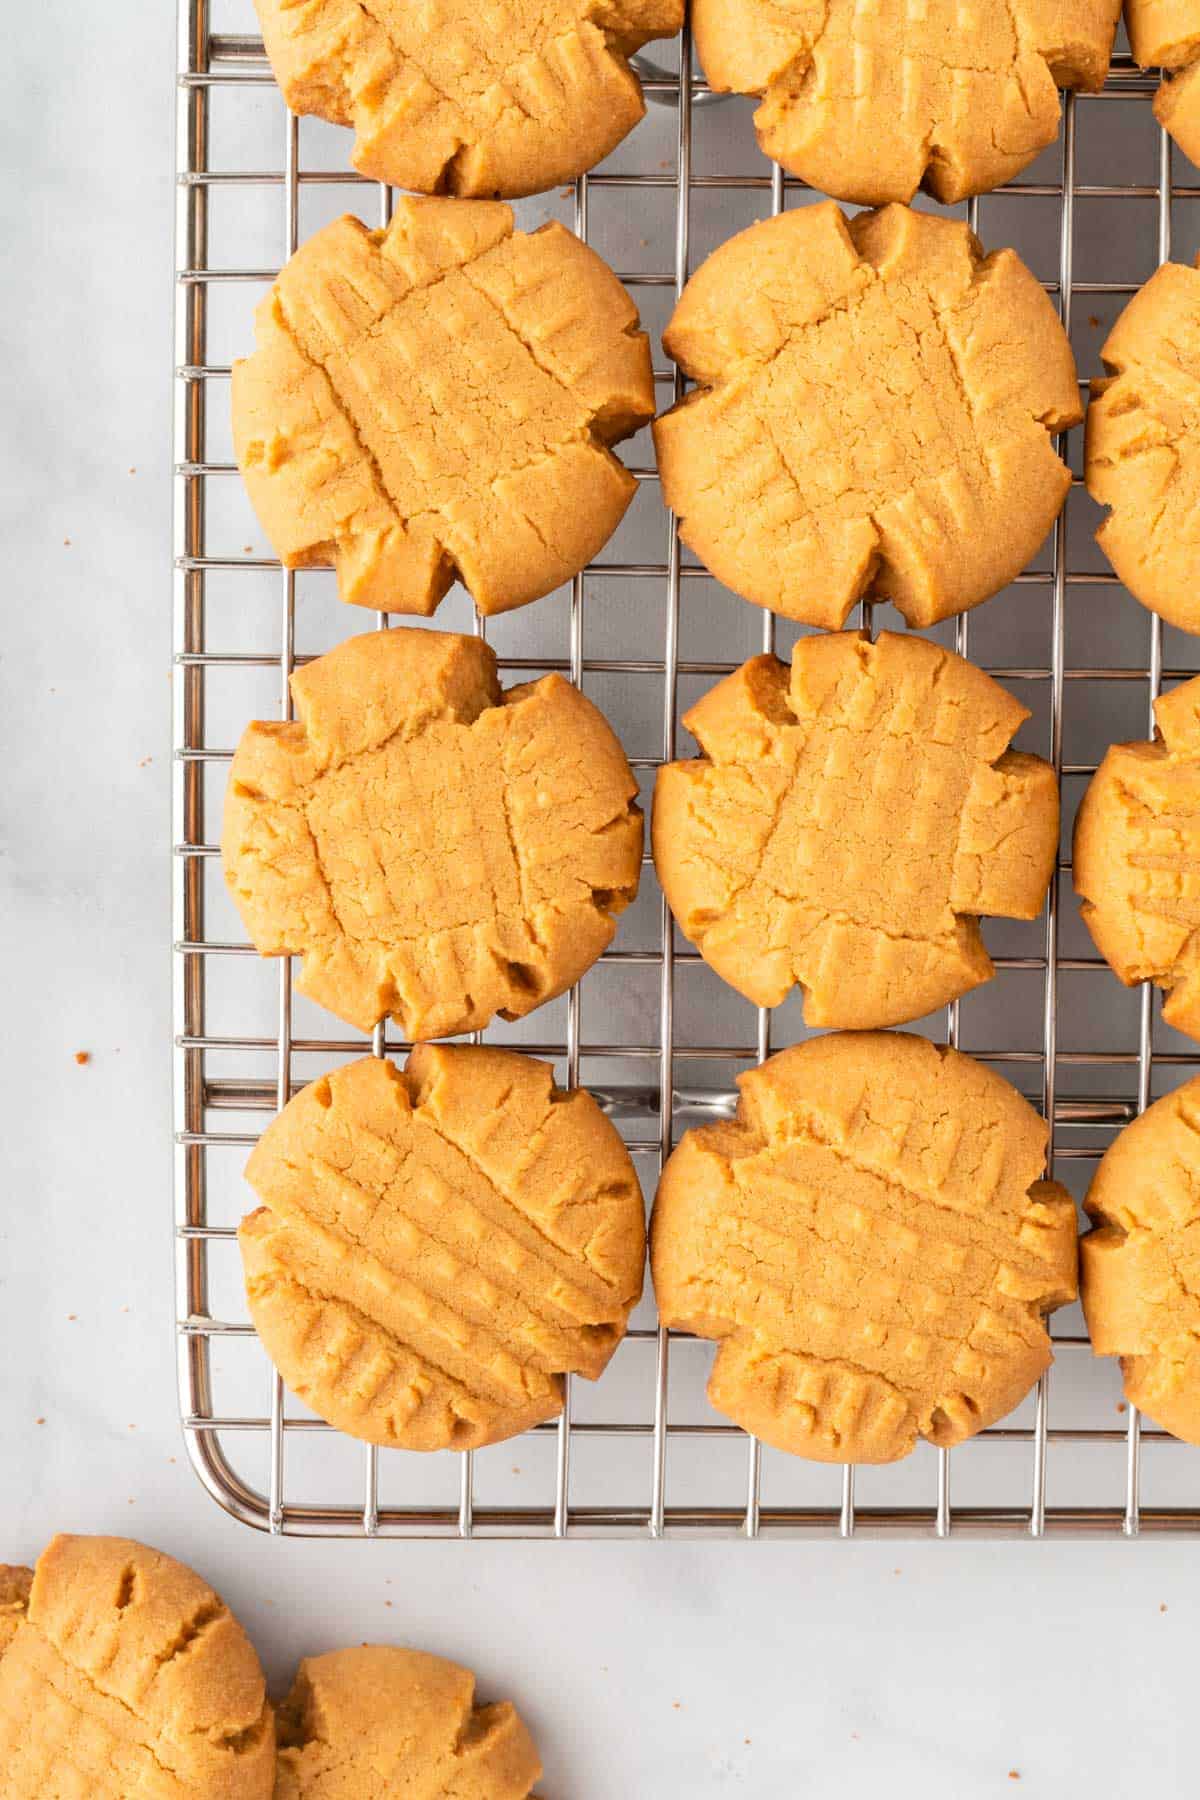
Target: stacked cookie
{"x":872,"y":415}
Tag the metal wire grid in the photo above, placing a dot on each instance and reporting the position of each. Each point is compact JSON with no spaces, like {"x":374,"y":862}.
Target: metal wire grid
{"x":207,"y":62}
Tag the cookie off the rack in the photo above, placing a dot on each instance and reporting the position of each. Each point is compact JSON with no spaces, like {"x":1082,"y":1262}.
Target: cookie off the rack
{"x":1140,"y":1270}
{"x":435,"y":847}
{"x":438,"y":1247}
{"x":847,"y":821}
{"x":449,"y":96}
{"x":122,"y":1673}
{"x":439,"y":400}
{"x":873,"y":417}
{"x":871,"y":1245}
{"x":1136,"y":857}
{"x":376,"y":1720}
{"x":869,"y":103}
{"x":1142,"y":457}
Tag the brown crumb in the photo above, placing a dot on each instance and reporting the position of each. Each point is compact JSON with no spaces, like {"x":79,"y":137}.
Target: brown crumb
{"x":1163,"y":1607}
{"x":565,"y":193}
{"x":66,"y":543}
{"x":145,"y":760}
{"x":170,"y":1459}
{"x":124,"y":1309}
{"x":1094,"y":321}
{"x":83,"y":1056}
{"x":1121,"y":1406}
{"x":133,"y":1428}
{"x":39,"y":1421}
{"x":72,"y":1315}
{"x":387,"y":1603}
{"x":516,"y":1468}
{"x":677,"y":1705}
{"x":247,"y":549}
{"x":745,"y":1740}
{"x":1014,"y":1774}
{"x":133,"y":471}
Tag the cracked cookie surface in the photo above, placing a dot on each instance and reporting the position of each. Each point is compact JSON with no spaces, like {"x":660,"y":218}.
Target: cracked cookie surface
{"x":1143,"y":445}
{"x":1165,"y":34}
{"x":448,"y":96}
{"x":868,"y":102}
{"x":871,"y":1245}
{"x":438,"y":400}
{"x":437,"y":1248}
{"x":434,"y":846}
{"x":873,"y":415}
{"x":1136,"y":859}
{"x":1140,"y":1264}
{"x":844,"y":822}
{"x":374,"y":1721}
{"x":122,"y":1673}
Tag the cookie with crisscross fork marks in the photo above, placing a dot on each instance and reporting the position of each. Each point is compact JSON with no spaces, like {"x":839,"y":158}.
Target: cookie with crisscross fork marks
{"x":1143,"y":445}
{"x":873,"y":414}
{"x":438,"y":399}
{"x":122,"y":1673}
{"x":434,"y":846}
{"x":437,"y":1248}
{"x":846,"y":823}
{"x":468,"y":97}
{"x":375,"y":1720}
{"x":870,"y":99}
{"x":1136,"y":859}
{"x":1140,"y":1266}
{"x":869,"y":1242}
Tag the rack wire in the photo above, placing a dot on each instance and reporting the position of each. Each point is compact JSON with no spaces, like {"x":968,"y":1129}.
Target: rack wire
{"x":652,"y":1459}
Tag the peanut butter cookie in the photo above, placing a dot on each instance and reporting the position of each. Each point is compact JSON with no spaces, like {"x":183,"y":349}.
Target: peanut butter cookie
{"x":122,"y":1673}
{"x":437,"y":1247}
{"x":868,"y":103}
{"x":438,"y":400}
{"x":1140,"y":1265}
{"x":376,"y":1722}
{"x":1136,"y":861}
{"x":870,"y":1244}
{"x":1165,"y":34}
{"x":434,"y":847}
{"x":873,"y":415}
{"x":844,"y":823}
{"x":1143,"y":445}
{"x":453,"y":97}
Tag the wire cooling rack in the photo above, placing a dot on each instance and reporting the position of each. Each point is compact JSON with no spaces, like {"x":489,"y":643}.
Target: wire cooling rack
{"x":650,"y":1030}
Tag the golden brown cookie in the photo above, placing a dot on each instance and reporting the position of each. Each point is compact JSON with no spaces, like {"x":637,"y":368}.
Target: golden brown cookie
{"x":452,"y":97}
{"x":1136,"y":860}
{"x":125,"y":1676}
{"x":435,"y":847}
{"x":437,"y":1248}
{"x":372,"y":1722}
{"x":1140,"y":1264}
{"x":1143,"y":445}
{"x":873,"y":415}
{"x":1165,"y":34}
{"x":870,"y":103}
{"x":15,"y":1584}
{"x":438,"y":400}
{"x":871,"y":1245}
{"x":846,"y":821}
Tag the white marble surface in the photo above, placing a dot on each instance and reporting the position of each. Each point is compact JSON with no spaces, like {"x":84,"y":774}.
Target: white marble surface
{"x":651,"y":1671}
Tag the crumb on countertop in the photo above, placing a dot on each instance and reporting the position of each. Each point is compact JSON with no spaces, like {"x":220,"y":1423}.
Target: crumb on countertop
{"x":83,"y":1056}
